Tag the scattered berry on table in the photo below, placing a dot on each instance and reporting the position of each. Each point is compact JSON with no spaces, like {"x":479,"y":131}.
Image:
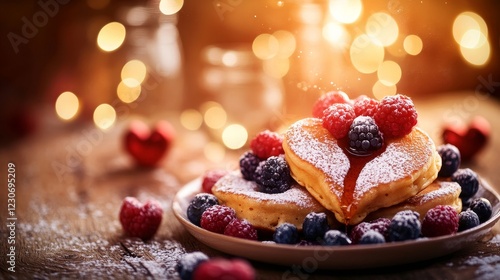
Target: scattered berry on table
{"x":396,"y":115}
{"x":372,"y":237}
{"x":440,"y":220}
{"x":211,"y":177}
{"x":335,"y":237}
{"x":364,"y":136}
{"x":467,"y":219}
{"x":273,"y":175}
{"x":216,"y":218}
{"x":219,"y":268}
{"x":482,"y":207}
{"x":286,"y":233}
{"x":315,"y":226}
{"x":380,"y":225}
{"x":140,"y":220}
{"x":468,"y":180}
{"x":248,"y":164}
{"x":241,"y":229}
{"x":365,"y":106}
{"x":198,"y":205}
{"x":327,"y":100}
{"x":450,"y":157}
{"x":405,"y":225}
{"x":188,"y":264}
{"x":266,"y":144}
{"x":337,"y":119}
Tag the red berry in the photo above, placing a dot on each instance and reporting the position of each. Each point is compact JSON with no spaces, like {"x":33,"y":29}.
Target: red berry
{"x":241,"y":229}
{"x":365,"y":106}
{"x":396,"y":115}
{"x":218,"y":268}
{"x":140,"y":220}
{"x":326,"y":100}
{"x":216,"y":218}
{"x":379,"y":225}
{"x":211,"y":177}
{"x":440,"y":220}
{"x":338,"y":119}
{"x":266,"y":144}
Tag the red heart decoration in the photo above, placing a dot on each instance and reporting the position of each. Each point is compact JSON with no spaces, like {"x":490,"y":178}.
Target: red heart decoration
{"x":469,"y":140}
{"x":147,"y":147}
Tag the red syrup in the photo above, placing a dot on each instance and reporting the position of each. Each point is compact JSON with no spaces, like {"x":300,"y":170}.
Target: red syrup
{"x":357,"y":163}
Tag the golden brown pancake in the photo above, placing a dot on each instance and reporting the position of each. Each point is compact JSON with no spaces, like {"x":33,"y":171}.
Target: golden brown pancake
{"x":353,"y":186}
{"x":263,"y":210}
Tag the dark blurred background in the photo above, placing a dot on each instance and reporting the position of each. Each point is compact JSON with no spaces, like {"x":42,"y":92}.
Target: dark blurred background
{"x":49,"y":47}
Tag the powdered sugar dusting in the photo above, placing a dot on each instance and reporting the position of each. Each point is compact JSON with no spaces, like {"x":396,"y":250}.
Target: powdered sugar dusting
{"x":445,"y":189}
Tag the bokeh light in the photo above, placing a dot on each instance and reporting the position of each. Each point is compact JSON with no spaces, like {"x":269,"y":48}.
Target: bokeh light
{"x":191,"y":119}
{"x":366,"y":54}
{"x":383,"y":28}
{"x":214,"y":115}
{"x":471,"y":33}
{"x":286,"y":43}
{"x":128,"y":94}
{"x":265,"y":46}
{"x":214,"y":152}
{"x":389,"y":73}
{"x":111,"y":36}
{"x":413,"y":44}
{"x":133,"y":73}
{"x":336,"y":34}
{"x":170,"y":7}
{"x":477,"y":56}
{"x":67,"y":105}
{"x":276,"y":67}
{"x":345,"y":11}
{"x":380,"y":90}
{"x":104,"y":116}
{"x":234,"y":136}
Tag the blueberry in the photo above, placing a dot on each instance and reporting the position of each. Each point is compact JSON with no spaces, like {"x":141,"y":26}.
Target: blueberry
{"x":273,"y":175}
{"x":315,"y":226}
{"x":286,"y":234}
{"x":335,"y":238}
{"x":188,"y":263}
{"x":450,"y":156}
{"x":405,"y":225}
{"x":482,"y":207}
{"x":372,"y":237}
{"x":198,"y":205}
{"x":248,"y":163}
{"x":467,"y":219}
{"x":468,"y":180}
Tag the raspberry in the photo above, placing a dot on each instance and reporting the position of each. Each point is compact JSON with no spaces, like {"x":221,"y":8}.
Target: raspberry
{"x":335,"y":237}
{"x":286,"y":233}
{"x":198,"y":205}
{"x":396,"y":115}
{"x":405,"y":225}
{"x":482,"y":207}
{"x":188,"y":264}
{"x":216,"y":218}
{"x":364,"y":136}
{"x":241,"y":229}
{"x":140,"y":220}
{"x":273,"y":175}
{"x":218,"y":268}
{"x":468,"y":180}
{"x":315,"y":226}
{"x":467,"y":219}
{"x":372,"y":237}
{"x":327,"y":100}
{"x":450,"y":157}
{"x":440,"y":220}
{"x":379,"y":225}
{"x":248,"y":163}
{"x":338,"y":118}
{"x":210,"y":178}
{"x":365,"y":106}
{"x":266,"y":144}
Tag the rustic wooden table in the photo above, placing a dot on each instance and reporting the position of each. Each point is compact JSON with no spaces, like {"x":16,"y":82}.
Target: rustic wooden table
{"x":70,"y":184}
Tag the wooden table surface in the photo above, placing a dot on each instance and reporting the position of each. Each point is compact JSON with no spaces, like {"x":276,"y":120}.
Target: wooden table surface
{"x":70,"y":184}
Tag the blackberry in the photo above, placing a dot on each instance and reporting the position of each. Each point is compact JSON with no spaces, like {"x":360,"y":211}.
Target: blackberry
{"x":482,"y":207}
{"x":467,"y":219}
{"x":468,"y":180}
{"x":273,"y":175}
{"x":188,"y":263}
{"x":336,"y":238}
{"x":315,"y":226}
{"x":379,"y":225}
{"x":364,"y":136}
{"x":248,"y":164}
{"x":450,"y":156}
{"x":405,"y":225}
{"x":198,"y":205}
{"x":372,"y":237}
{"x":286,"y":234}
